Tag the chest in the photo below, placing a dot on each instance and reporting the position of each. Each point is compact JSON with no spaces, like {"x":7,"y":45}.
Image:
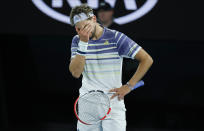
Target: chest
{"x":105,"y":46}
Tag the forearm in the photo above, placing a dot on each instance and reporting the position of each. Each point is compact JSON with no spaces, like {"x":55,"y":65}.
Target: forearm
{"x":143,"y":67}
{"x":76,"y":66}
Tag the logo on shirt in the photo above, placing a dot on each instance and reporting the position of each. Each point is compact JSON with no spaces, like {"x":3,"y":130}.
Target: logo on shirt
{"x":106,"y":43}
{"x":58,"y":9}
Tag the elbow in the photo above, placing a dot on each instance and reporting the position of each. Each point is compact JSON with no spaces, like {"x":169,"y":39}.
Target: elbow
{"x":75,"y":74}
{"x":148,"y":60}
{"x":151,"y":61}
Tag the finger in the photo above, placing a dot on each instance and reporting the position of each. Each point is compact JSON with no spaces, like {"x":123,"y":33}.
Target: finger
{"x":120,"y":96}
{"x":85,"y":26}
{"x":84,"y":32}
{"x":89,"y":27}
{"x":114,"y":95}
{"x":113,"y":90}
{"x":80,"y":32}
{"x":89,"y":30}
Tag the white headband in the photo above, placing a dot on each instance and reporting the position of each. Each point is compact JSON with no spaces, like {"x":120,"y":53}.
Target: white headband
{"x":82,"y":16}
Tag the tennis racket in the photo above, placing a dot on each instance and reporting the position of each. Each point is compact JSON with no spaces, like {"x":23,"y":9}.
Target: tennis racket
{"x":94,"y":106}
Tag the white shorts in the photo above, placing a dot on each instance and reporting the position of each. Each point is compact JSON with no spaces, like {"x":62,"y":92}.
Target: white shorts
{"x":116,"y":120}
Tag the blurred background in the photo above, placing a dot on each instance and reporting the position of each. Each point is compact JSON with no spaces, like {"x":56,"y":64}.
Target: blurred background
{"x":37,"y":92}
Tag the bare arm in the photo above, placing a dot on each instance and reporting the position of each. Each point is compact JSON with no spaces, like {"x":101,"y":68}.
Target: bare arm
{"x":145,"y":62}
{"x":76,"y":65}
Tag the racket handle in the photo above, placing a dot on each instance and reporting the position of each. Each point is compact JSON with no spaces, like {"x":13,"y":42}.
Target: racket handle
{"x":139,"y":84}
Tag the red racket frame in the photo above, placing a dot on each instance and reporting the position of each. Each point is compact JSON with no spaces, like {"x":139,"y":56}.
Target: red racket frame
{"x":75,"y":112}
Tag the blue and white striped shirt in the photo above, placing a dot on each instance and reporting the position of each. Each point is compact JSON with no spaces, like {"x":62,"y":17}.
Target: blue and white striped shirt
{"x":104,"y":57}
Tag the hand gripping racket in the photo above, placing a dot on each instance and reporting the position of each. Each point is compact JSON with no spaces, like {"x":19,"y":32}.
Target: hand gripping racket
{"x":94,"y":106}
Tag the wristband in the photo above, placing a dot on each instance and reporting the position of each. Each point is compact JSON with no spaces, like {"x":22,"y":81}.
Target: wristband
{"x":139,"y":84}
{"x":131,"y":87}
{"x":82,"y":46}
{"x":81,"y":53}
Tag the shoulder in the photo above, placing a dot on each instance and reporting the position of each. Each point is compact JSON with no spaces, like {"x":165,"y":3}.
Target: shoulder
{"x":112,"y":33}
{"x":75,"y":40}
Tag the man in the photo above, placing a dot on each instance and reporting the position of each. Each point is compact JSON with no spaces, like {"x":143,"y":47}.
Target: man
{"x":105,"y":15}
{"x":97,"y":53}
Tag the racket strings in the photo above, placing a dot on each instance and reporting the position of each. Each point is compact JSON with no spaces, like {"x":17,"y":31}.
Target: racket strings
{"x":92,"y":107}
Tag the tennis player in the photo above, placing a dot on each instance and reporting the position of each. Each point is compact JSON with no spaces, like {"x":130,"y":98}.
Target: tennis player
{"x":97,"y":53}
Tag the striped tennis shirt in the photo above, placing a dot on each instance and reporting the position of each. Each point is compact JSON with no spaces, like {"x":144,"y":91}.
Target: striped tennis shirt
{"x":103,"y":60}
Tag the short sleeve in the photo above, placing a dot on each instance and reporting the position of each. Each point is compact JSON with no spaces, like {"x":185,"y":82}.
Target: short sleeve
{"x":126,"y":47}
{"x":74,"y":46}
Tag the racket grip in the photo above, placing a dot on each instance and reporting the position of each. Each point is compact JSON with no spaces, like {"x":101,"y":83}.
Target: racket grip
{"x":139,"y":84}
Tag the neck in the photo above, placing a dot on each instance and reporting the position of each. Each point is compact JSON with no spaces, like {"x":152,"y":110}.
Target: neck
{"x":98,"y":33}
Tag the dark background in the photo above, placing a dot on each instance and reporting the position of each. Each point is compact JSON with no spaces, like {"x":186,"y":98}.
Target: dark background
{"x":38,"y":92}
{"x":170,"y":19}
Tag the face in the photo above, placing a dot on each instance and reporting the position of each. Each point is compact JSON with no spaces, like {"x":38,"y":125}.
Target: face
{"x":105,"y":16}
{"x":92,"y":21}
